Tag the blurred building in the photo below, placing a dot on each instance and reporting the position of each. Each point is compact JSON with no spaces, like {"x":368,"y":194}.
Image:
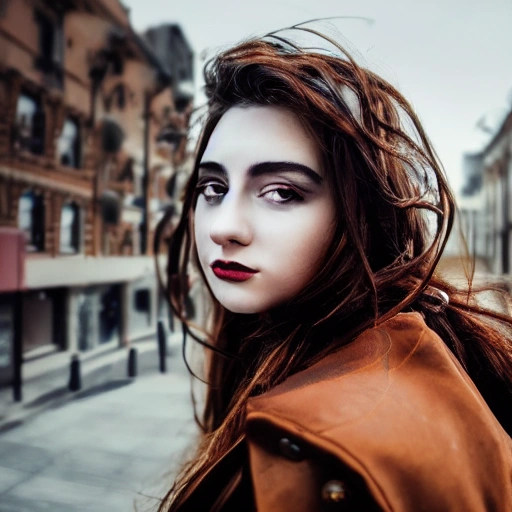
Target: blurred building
{"x":485,"y":203}
{"x":178,"y":64}
{"x":92,"y":129}
{"x":471,"y":206}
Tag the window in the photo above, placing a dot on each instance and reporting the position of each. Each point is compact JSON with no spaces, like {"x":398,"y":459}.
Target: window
{"x":3,"y":8}
{"x":142,"y":303}
{"x":31,"y":215}
{"x":68,"y":144}
{"x":110,"y":313}
{"x":121,"y":96}
{"x":70,"y":229}
{"x":117,"y":64}
{"x":182,"y":103}
{"x":142,"y":300}
{"x":29,"y":133}
{"x":117,"y":97}
{"x":51,"y":52}
{"x":126,"y":172}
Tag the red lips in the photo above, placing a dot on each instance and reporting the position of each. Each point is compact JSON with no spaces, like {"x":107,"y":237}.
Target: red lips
{"x":232,"y":271}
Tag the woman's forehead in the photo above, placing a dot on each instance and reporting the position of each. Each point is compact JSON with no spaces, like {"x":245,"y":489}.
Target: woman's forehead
{"x":261,"y":133}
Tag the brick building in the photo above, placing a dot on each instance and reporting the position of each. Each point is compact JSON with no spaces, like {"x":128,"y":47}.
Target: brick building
{"x":92,"y":129}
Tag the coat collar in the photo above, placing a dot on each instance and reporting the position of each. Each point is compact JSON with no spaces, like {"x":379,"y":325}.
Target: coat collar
{"x":360,"y":369}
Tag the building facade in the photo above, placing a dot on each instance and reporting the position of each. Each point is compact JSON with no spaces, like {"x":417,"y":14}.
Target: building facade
{"x":90,"y":137}
{"x":485,"y":206}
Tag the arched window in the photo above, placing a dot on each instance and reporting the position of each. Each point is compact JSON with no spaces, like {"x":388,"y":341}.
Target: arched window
{"x":70,"y":229}
{"x":31,"y":217}
{"x":30,"y":126}
{"x":119,"y":93}
{"x":68,"y":144}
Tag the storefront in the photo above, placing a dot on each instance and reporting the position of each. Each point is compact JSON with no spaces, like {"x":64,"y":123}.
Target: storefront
{"x":95,"y":316}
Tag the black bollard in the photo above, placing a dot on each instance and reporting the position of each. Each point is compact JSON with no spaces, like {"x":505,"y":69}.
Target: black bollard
{"x":75,"y":379}
{"x":17,"y":349}
{"x":132,"y":362}
{"x":162,"y":346}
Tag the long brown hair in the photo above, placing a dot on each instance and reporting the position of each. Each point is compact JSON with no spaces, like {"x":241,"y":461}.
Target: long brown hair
{"x":395,"y":212}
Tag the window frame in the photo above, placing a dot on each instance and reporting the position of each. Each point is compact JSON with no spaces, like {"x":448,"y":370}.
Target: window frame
{"x":35,"y":231}
{"x":75,"y":245}
{"x":50,"y":60}
{"x":75,"y":148}
{"x":34,"y":140}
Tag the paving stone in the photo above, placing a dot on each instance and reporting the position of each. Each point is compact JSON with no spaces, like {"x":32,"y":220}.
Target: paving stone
{"x":15,"y":504}
{"x":118,"y":443}
{"x":89,"y":467}
{"x":142,"y":474}
{"x":58,"y":492}
{"x":61,"y":439}
{"x":9,"y":478}
{"x":108,"y":452}
{"x":25,"y":457}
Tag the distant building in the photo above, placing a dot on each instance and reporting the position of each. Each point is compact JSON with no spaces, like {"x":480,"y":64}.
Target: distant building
{"x":171,"y":47}
{"x":87,"y":108}
{"x":485,"y":206}
{"x":471,"y":205}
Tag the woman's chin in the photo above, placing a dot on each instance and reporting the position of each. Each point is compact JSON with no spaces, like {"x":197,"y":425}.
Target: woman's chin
{"x":247,"y":302}
{"x":242,"y":304}
{"x":241,"y":308}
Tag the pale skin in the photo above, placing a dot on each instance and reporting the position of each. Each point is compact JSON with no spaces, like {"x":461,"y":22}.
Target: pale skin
{"x":264,"y":203}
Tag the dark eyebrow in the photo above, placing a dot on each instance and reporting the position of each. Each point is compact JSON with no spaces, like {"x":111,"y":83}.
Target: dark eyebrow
{"x":268,"y":168}
{"x":213,"y":166}
{"x":273,"y":167}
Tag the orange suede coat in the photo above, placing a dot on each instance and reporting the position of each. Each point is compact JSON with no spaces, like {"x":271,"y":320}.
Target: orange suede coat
{"x":389,"y":422}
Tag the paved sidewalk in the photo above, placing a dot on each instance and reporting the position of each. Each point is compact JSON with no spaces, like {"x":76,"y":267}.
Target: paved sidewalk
{"x":113,"y":449}
{"x":46,"y":380}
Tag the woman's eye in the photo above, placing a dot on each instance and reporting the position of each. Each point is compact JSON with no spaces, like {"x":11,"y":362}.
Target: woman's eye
{"x":282,"y":195}
{"x":213,"y":192}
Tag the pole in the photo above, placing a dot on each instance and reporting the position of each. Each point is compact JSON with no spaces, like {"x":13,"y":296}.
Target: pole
{"x":144,"y":227}
{"x":17,"y":348}
{"x":162,"y":347}
{"x":132,"y":362}
{"x":75,"y":377}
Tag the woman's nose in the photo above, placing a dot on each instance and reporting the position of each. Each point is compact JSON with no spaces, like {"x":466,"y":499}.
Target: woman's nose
{"x":230,"y":224}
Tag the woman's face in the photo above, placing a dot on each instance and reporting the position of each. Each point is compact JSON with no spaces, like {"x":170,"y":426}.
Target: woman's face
{"x":265,"y":214}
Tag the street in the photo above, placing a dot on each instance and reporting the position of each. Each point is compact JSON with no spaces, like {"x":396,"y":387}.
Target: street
{"x":113,"y":448}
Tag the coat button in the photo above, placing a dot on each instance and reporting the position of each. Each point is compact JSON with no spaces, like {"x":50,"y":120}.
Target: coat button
{"x":334,"y":491}
{"x":290,"y":450}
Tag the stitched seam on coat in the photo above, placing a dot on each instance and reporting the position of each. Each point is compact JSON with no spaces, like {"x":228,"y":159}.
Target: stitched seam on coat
{"x":413,"y":350}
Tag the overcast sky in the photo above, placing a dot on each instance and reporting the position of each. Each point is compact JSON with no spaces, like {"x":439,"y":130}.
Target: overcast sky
{"x":451,"y":58}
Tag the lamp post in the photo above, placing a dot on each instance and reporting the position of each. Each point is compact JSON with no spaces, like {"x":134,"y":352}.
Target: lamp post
{"x":144,"y":226}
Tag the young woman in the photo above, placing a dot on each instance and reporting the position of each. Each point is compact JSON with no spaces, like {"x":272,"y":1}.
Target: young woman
{"x":342,"y":372}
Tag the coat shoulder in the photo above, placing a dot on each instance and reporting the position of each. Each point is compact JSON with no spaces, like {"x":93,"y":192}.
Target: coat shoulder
{"x":396,"y":410}
{"x":359,"y":375}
